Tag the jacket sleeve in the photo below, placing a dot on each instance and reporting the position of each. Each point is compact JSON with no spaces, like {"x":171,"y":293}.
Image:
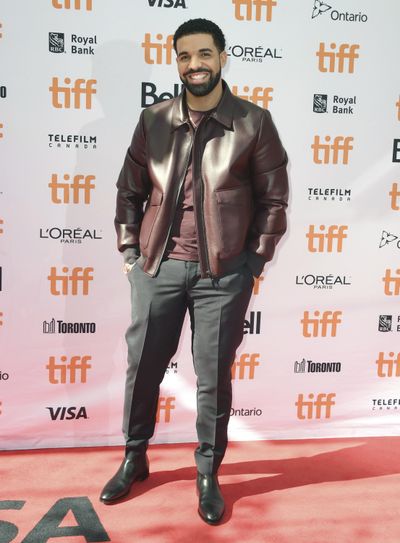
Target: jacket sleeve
{"x":133,"y":190}
{"x":270,"y":195}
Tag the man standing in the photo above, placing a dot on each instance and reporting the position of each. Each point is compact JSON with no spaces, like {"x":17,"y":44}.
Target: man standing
{"x":210,"y":172}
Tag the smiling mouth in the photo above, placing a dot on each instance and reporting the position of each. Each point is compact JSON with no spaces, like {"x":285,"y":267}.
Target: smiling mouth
{"x":198,"y":76}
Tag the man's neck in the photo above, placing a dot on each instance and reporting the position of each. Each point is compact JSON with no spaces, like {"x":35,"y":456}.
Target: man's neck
{"x":204,"y":103}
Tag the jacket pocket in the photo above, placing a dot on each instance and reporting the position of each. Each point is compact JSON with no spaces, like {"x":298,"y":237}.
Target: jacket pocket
{"x":234,"y":214}
{"x":149,"y":218}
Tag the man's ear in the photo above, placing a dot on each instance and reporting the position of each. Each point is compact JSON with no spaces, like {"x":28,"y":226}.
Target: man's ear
{"x":224,"y":57}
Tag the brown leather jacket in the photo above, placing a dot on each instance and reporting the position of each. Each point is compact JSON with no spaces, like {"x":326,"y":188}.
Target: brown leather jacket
{"x":239,"y":182}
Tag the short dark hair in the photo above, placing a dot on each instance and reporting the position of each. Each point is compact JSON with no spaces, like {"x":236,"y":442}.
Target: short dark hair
{"x":201,"y":26}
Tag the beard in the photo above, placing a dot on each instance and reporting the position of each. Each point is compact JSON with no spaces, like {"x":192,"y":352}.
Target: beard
{"x":204,"y":88}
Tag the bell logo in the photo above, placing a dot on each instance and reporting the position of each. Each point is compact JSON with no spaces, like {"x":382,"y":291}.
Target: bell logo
{"x":166,"y":405}
{"x":336,"y":60}
{"x":257,"y":284}
{"x":80,"y":186}
{"x":61,"y":96}
{"x":331,"y":153}
{"x":79,"y":276}
{"x":392,"y":282}
{"x":68,"y":372}
{"x":396,"y":150}
{"x":75,"y":4}
{"x":330,"y":241}
{"x":258,"y":95}
{"x":259,"y":6}
{"x":244,"y":368}
{"x":320,"y":326}
{"x":315,"y":409}
{"x":158,"y":47}
{"x":387,"y":365}
{"x":395,"y":197}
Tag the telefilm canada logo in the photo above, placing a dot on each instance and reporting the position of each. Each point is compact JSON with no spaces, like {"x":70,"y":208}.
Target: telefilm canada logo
{"x":323,"y":282}
{"x":172,"y":368}
{"x":323,"y":8}
{"x":341,"y":105}
{"x":389,"y":323}
{"x":72,"y":141}
{"x":70,"y":235}
{"x":385,"y":404}
{"x":260,"y":53}
{"x":389,"y":239}
{"x":78,"y":45}
{"x":328,"y":194}
{"x":308,"y":366}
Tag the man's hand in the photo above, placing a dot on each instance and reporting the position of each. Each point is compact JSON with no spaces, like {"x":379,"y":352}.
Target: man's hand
{"x":131,"y":254}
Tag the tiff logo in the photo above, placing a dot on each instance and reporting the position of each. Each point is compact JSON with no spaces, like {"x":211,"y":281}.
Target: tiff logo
{"x":392,"y":282}
{"x":330,"y":241}
{"x":260,"y":96}
{"x":318,"y":408}
{"x":398,"y":109}
{"x":332,"y":153}
{"x":395,"y":197}
{"x":76,"y":4}
{"x":165,"y":404}
{"x":81,"y":186}
{"x":61,"y":96}
{"x":254,"y":9}
{"x":70,"y":283}
{"x":1,"y":229}
{"x":245,"y":367}
{"x":385,"y":366}
{"x":318,"y":326}
{"x":336,"y":60}
{"x":257,"y":284}
{"x":1,"y":318}
{"x":68,"y":372}
{"x":158,"y":47}
{"x":1,"y":133}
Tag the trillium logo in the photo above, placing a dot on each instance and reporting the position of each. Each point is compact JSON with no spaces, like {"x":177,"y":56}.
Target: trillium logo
{"x":387,"y":238}
{"x":319,"y":8}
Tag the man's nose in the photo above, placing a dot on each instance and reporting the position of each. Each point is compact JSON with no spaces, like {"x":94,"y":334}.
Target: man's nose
{"x":195,"y":63}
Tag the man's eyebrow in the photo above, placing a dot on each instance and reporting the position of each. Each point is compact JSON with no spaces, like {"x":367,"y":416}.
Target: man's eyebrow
{"x":203,"y":50}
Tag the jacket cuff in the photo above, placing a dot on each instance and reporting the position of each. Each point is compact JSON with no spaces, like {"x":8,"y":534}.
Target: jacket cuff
{"x":256,"y":263}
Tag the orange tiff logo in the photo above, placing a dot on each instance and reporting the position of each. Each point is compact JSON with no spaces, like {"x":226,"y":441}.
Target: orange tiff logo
{"x":332,"y":153}
{"x":398,"y":109}
{"x":392,"y":282}
{"x":70,"y":283}
{"x":254,"y":9}
{"x":80,"y":189}
{"x":260,"y":96}
{"x":76,"y":4}
{"x":1,"y":229}
{"x":318,"y":408}
{"x":245,"y":366}
{"x":385,"y":366}
{"x":1,"y":318}
{"x":318,"y":326}
{"x":395,"y":197}
{"x":326,"y":241}
{"x":257,"y":284}
{"x":158,"y":52}
{"x":165,"y":405}
{"x":1,"y":132}
{"x":72,"y":371}
{"x":61,"y":96}
{"x":335,"y":61}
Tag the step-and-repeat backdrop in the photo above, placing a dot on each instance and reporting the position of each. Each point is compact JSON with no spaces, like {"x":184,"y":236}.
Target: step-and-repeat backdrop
{"x":321,"y":354}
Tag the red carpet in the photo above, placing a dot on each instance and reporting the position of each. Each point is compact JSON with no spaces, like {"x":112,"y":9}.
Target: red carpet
{"x":311,"y":491}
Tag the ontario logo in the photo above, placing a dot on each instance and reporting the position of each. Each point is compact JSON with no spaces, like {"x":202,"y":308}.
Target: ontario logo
{"x":320,"y":8}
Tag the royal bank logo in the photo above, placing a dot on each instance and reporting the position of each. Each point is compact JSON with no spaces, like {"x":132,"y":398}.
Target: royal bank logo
{"x":308,"y":366}
{"x":70,"y":235}
{"x":261,"y":53}
{"x":150,"y":95}
{"x":54,"y":326}
{"x":328,"y":194}
{"x":321,"y":8}
{"x":341,"y":105}
{"x":323,"y":282}
{"x":56,"y":42}
{"x":385,"y":404}
{"x":389,"y":323}
{"x":261,"y":96}
{"x":79,"y":45}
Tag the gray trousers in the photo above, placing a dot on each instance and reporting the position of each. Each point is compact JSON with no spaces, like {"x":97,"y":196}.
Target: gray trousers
{"x":217,"y":313}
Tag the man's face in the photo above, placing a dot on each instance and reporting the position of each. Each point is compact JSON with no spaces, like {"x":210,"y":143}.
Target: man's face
{"x":199,"y":63}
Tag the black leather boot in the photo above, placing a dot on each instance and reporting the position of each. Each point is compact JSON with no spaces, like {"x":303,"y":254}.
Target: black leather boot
{"x":133,"y":468}
{"x":211,"y":502}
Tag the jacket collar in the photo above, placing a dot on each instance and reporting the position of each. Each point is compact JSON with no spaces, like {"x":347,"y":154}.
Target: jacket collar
{"x":222,"y":114}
